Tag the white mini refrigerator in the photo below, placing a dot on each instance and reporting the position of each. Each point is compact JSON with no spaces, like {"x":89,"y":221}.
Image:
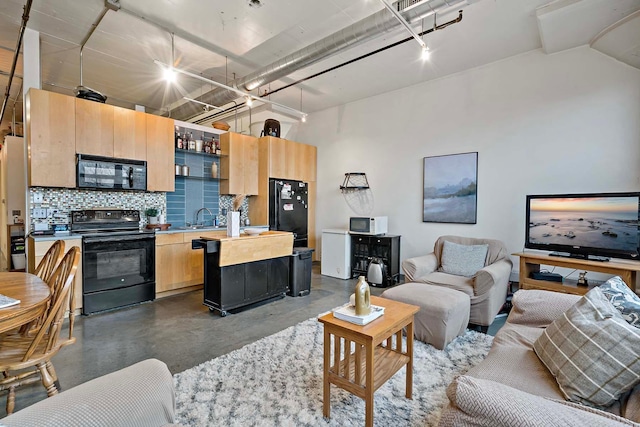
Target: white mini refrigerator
{"x":336,"y":254}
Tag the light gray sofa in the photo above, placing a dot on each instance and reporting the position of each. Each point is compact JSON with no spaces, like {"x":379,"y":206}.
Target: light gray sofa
{"x":487,"y":289}
{"x":513,"y":387}
{"x":140,"y":395}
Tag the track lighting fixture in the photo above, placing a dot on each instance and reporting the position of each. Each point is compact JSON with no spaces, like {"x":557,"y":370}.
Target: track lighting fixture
{"x":426,"y":53}
{"x":249,"y":101}
{"x":204,"y":104}
{"x":247,"y":96}
{"x":169,"y":75}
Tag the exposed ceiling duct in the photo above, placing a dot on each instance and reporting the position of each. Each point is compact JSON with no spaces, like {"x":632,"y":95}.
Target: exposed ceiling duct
{"x":23,"y":26}
{"x":362,"y":31}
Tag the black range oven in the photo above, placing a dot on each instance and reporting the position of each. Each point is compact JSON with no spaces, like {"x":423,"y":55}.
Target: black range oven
{"x":118,"y":259}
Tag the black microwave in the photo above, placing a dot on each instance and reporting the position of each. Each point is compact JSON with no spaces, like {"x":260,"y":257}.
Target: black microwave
{"x":106,"y":173}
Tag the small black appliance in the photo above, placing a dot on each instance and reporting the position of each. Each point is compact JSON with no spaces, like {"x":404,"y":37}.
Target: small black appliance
{"x":271,"y":128}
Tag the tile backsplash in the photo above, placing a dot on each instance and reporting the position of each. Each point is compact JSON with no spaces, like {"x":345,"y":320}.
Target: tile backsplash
{"x":59,"y":202}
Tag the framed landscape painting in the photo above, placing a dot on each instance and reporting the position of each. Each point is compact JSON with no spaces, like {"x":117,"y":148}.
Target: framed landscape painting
{"x":450,"y":188}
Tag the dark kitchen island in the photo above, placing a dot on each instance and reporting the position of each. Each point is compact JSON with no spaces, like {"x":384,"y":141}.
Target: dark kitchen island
{"x":239,"y":271}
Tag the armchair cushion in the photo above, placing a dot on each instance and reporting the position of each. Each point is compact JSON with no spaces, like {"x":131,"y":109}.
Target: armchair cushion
{"x":537,"y":308}
{"x":488,"y":276}
{"x":417,"y":267}
{"x":139,"y":395}
{"x":462,"y":260}
{"x":593,"y":353}
{"x":488,"y":403}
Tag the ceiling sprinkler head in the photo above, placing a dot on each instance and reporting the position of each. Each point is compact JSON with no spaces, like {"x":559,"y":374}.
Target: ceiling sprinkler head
{"x":255,"y":3}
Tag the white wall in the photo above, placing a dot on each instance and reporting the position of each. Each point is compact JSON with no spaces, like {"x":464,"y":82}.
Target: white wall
{"x":562,"y":123}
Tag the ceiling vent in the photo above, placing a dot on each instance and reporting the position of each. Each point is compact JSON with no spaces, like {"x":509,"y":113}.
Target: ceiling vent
{"x":255,"y":3}
{"x":403,"y":4}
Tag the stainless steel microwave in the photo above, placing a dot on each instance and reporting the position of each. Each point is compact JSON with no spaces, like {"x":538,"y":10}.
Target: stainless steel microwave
{"x":107,"y":173}
{"x":364,"y":225}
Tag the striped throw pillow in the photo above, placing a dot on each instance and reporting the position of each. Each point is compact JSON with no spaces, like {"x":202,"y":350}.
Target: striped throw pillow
{"x":592,"y":352}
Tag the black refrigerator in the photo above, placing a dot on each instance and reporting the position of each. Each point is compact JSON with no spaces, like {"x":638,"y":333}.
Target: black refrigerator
{"x":288,"y":209}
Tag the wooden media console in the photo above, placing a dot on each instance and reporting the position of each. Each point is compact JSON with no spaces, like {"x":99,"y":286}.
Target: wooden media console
{"x":530,"y":262}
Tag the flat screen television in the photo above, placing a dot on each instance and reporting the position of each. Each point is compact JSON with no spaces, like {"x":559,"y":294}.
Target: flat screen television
{"x":590,"y":226}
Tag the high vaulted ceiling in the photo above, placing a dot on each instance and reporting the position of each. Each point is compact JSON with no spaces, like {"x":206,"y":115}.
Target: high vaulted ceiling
{"x":224,"y":40}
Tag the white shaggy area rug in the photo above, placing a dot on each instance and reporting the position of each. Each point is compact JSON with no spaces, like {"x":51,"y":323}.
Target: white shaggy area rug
{"x":277,"y":381}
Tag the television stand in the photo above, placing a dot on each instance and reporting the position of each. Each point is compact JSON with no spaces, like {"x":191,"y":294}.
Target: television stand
{"x":530,"y":262}
{"x":580,"y":256}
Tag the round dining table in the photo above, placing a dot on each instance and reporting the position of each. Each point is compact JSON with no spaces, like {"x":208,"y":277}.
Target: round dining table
{"x":33,"y":294}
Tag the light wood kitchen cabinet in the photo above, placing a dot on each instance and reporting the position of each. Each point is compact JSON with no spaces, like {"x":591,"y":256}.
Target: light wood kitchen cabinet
{"x":306,"y":158}
{"x":280,"y":162}
{"x":290,"y":159}
{"x":160,"y":154}
{"x":176,"y":266}
{"x":37,"y":250}
{"x":129,"y":134}
{"x":239,"y":164}
{"x":51,"y":125}
{"x":179,"y":266}
{"x":94,"y":128}
{"x":283,"y":159}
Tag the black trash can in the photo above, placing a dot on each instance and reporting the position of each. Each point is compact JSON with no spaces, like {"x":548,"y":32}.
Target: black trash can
{"x":300,"y":272}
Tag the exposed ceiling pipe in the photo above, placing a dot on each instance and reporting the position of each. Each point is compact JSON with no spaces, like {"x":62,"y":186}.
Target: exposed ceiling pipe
{"x":335,"y":67}
{"x":362,"y":31}
{"x":108,"y":5}
{"x":23,"y":26}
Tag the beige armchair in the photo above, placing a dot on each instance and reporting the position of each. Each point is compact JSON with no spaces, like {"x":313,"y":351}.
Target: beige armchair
{"x":487,"y":288}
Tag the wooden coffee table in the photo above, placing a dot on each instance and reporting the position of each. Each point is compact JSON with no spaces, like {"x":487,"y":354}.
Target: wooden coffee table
{"x":378,"y":353}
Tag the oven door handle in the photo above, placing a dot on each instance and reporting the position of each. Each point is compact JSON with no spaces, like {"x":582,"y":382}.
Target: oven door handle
{"x":133,"y":237}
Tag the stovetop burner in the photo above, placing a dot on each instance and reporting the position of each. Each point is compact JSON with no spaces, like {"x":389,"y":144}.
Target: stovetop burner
{"x":112,"y":232}
{"x":106,"y":221}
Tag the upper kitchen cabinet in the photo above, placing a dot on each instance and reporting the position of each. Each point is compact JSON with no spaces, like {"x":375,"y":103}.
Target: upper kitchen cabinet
{"x":129,"y":134}
{"x":239,"y":164}
{"x":160,"y":153}
{"x":306,"y":158}
{"x":94,"y":128}
{"x":291,"y":160}
{"x":51,"y":134}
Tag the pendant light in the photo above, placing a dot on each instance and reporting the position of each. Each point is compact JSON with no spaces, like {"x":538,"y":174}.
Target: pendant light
{"x":304,"y":116}
{"x":169,"y":72}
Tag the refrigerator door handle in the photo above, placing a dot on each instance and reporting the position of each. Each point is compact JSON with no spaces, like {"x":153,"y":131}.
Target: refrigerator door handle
{"x":278,"y":195}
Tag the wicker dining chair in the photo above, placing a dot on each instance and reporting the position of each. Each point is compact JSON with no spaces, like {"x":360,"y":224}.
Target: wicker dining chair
{"x":50,"y":260}
{"x":25,"y":359}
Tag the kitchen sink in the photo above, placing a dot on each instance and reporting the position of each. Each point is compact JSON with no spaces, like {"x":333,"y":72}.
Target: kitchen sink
{"x":202,"y":227}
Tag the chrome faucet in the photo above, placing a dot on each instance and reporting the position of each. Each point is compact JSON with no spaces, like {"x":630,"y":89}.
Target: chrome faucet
{"x":195,"y":218}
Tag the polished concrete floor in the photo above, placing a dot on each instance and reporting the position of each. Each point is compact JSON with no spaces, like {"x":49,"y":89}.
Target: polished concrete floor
{"x":182,"y":332}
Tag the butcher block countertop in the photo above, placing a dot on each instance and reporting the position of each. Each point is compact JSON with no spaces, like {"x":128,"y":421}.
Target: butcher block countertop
{"x":249,"y":248}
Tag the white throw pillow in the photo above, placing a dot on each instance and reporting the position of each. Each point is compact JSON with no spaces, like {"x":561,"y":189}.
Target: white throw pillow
{"x":462,"y":260}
